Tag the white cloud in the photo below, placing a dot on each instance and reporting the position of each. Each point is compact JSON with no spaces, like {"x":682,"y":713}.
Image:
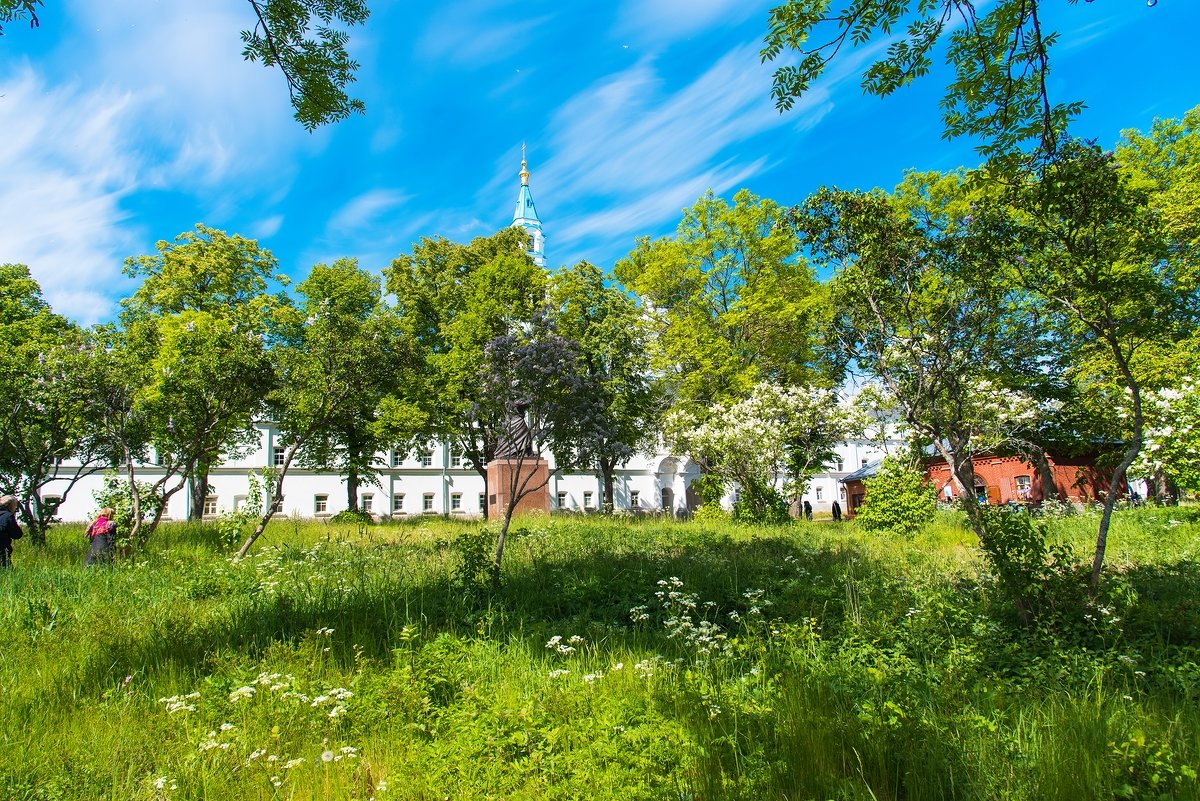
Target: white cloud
{"x":659,"y":21}
{"x":476,"y":32}
{"x":266,"y":227}
{"x":63,"y":173}
{"x":628,"y":145}
{"x":365,"y":210}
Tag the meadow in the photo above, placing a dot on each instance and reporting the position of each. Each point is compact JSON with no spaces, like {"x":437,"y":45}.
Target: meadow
{"x":631,"y":659}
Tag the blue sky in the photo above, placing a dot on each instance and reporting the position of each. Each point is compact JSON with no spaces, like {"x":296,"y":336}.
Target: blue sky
{"x":128,"y":121}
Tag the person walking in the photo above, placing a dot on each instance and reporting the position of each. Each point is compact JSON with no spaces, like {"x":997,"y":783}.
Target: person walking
{"x":102,"y":532}
{"x":837,"y":512}
{"x":9,"y":530}
{"x":807,"y":510}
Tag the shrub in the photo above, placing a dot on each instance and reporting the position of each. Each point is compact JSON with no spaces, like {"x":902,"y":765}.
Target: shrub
{"x":352,"y":516}
{"x":898,"y":498}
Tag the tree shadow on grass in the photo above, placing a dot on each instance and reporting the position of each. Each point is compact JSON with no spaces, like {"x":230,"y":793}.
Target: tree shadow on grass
{"x":542,"y":594}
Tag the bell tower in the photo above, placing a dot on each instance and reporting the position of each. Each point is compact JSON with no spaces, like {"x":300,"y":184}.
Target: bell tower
{"x":525,"y":216}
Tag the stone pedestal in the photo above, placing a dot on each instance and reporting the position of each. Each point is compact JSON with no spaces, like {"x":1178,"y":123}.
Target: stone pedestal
{"x":506,"y":475}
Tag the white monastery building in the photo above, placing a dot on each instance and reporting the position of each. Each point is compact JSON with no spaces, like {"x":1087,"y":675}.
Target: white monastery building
{"x":438,"y":481}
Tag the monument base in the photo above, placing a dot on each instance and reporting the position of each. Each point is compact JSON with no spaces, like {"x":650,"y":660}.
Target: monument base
{"x":504,"y":476}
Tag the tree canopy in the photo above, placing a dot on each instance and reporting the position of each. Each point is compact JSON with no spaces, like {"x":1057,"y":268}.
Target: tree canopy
{"x":999,"y":54}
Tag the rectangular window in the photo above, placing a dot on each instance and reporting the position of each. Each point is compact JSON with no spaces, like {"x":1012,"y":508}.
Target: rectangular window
{"x":455,"y":501}
{"x":482,"y":501}
{"x":842,"y":492}
{"x":398,"y":502}
{"x":427,"y":502}
{"x":278,"y":456}
{"x":397,"y":459}
{"x":864,"y":463}
{"x":839,"y":465}
{"x":819,"y":492}
{"x":456,"y":461}
{"x":277,"y":506}
{"x":635,"y":501}
{"x":587,"y":500}
{"x":426,"y":459}
{"x":210,"y":506}
{"x":321,"y":504}
{"x":1023,"y":486}
{"x":562,"y":500}
{"x":367,"y":502}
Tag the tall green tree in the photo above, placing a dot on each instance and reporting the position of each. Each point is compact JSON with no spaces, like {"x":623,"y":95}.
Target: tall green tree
{"x":46,"y":418}
{"x":379,"y":414}
{"x":923,"y":310}
{"x":999,"y":53}
{"x":454,"y":300}
{"x":337,"y":354}
{"x":608,"y":327}
{"x":729,"y":301}
{"x":202,"y":320}
{"x":1117,"y":274}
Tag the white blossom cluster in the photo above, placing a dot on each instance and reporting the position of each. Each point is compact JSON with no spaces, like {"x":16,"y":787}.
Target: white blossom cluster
{"x":1171,"y":439}
{"x":774,"y":434}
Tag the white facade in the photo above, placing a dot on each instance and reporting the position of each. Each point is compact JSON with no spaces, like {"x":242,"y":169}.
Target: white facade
{"x":438,"y":482}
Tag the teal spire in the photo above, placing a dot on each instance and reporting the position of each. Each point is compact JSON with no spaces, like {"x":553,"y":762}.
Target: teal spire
{"x":525,"y":216}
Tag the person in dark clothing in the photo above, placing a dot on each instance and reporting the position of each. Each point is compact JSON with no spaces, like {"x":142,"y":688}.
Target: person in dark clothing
{"x":807,"y":510}
{"x":837,"y":512}
{"x":9,"y":530}
{"x":102,"y":531}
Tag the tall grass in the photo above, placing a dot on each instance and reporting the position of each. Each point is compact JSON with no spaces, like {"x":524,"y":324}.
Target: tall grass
{"x":619,"y":659}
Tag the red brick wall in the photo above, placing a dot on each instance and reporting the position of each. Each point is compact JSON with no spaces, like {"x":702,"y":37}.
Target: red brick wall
{"x":1075,"y":480}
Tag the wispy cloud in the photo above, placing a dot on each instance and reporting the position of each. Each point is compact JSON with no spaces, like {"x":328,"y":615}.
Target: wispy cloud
{"x":365,"y":210}
{"x":476,"y":32}
{"x":63,"y":174}
{"x":630,"y":145}
{"x":662,"y":21}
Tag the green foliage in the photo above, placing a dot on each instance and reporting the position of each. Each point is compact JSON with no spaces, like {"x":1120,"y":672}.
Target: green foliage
{"x":1040,"y":578}
{"x":117,"y":495}
{"x":898,"y":499}
{"x":236,"y":524}
{"x":12,"y":10}
{"x":760,"y":503}
{"x":1000,"y":58}
{"x":317,"y":68}
{"x":730,"y":300}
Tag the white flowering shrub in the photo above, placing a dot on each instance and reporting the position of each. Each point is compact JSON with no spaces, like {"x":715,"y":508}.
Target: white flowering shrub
{"x":1172,"y":436}
{"x":768,"y":444}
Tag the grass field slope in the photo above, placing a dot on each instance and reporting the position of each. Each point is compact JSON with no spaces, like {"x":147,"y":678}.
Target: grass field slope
{"x":619,"y":659}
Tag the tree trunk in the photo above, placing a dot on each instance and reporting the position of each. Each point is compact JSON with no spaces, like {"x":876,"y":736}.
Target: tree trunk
{"x":1114,"y":491}
{"x":352,"y":489}
{"x":608,"y":469}
{"x":135,"y":499}
{"x":1042,"y":464}
{"x":268,"y":504}
{"x":199,"y":492}
{"x":508,"y":514}
{"x":159,"y":512}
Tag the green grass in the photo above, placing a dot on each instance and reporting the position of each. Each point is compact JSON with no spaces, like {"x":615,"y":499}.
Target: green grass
{"x":804,"y":662}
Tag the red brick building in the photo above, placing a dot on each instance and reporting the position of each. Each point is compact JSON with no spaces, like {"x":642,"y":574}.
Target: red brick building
{"x":1003,"y":479}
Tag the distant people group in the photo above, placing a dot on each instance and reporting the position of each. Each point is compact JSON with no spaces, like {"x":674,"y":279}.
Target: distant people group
{"x":101,"y":533}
